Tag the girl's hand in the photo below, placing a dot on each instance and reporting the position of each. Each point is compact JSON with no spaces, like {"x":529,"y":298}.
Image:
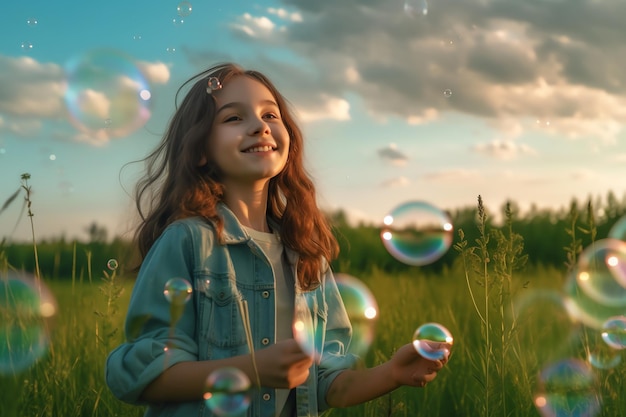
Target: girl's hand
{"x":410,"y":368}
{"x":283,"y":365}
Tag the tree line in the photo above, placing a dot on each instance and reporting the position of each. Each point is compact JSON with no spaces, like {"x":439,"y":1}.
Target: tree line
{"x":545,"y":232}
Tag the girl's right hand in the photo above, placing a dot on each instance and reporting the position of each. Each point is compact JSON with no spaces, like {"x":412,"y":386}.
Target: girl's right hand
{"x":283,"y":365}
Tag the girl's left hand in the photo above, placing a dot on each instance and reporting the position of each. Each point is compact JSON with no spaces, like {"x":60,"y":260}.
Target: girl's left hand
{"x":410,"y":368}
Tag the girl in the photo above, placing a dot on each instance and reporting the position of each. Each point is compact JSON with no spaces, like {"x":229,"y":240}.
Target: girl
{"x":227,"y":205}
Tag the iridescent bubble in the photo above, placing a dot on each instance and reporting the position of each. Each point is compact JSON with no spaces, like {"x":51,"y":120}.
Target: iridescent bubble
{"x":432,"y":341}
{"x":304,"y":326}
{"x":417,"y":233}
{"x":583,"y":308}
{"x":227,"y":392}
{"x":447,"y":93}
{"x":31,"y":21}
{"x":170,"y":49}
{"x":178,"y":21}
{"x":602,"y":271}
{"x":567,"y":388}
{"x":618,"y":230}
{"x":362,"y":311}
{"x":112,"y":264}
{"x":604,"y":358}
{"x":27,"y":46}
{"x":538,"y":315}
{"x":184,"y":8}
{"x":415,"y":8}
{"x":177,"y":291}
{"x":26,"y":307}
{"x":614,"y":332}
{"x":103,"y":94}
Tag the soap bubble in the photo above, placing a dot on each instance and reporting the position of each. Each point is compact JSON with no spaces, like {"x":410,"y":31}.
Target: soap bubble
{"x":177,"y":291}
{"x":106,"y":85}
{"x":417,"y":233}
{"x":184,"y":8}
{"x":227,"y":392}
{"x":26,"y":308}
{"x":432,"y":341}
{"x":362,"y":311}
{"x":112,"y":264}
{"x":614,"y":332}
{"x":602,"y":272}
{"x":304,"y":326}
{"x":567,"y":388}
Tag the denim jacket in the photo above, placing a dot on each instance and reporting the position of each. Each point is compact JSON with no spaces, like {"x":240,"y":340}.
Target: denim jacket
{"x":211,"y":326}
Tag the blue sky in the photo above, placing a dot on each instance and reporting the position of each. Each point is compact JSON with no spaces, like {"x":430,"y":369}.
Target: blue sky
{"x":507,"y":99}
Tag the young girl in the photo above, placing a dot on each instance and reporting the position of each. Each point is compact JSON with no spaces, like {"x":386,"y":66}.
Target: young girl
{"x":227,"y":205}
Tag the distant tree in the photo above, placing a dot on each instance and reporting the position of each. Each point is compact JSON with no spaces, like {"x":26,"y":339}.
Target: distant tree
{"x":96,"y":233}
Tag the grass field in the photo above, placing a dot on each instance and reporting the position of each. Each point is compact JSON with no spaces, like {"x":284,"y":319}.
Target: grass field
{"x":511,"y":324}
{"x":69,"y":380}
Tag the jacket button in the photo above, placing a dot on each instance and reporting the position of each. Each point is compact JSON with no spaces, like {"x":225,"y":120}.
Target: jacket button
{"x":266,"y":294}
{"x":266,"y":397}
{"x":265,"y":341}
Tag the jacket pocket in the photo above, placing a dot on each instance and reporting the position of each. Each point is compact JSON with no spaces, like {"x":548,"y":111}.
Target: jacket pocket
{"x":220,"y":322}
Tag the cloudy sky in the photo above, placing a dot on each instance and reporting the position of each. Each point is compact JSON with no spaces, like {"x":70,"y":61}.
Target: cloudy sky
{"x":399,"y":100}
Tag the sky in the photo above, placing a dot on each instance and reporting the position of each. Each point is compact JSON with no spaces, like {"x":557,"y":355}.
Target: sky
{"x":438,"y":101}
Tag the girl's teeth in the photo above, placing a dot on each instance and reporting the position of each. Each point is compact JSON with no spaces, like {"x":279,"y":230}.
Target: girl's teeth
{"x":260,"y":149}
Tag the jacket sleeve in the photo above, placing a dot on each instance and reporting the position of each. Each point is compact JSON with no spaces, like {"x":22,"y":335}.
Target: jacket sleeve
{"x":149,"y":328}
{"x":335,"y":357}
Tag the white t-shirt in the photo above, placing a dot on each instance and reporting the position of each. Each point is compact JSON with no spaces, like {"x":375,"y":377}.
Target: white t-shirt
{"x":284,"y":297}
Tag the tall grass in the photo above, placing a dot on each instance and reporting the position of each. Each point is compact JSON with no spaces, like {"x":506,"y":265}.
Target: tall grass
{"x":505,"y":315}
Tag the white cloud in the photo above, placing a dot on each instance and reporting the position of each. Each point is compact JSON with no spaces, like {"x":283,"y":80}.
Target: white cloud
{"x":504,"y":61}
{"x":391,"y":154}
{"x":396,"y":182}
{"x":332,"y":108}
{"x":155,"y":72}
{"x":503,"y":149}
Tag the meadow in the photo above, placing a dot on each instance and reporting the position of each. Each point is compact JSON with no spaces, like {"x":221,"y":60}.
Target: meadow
{"x":509,"y":319}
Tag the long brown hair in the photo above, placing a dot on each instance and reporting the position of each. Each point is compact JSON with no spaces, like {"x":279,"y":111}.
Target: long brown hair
{"x":178,"y":184}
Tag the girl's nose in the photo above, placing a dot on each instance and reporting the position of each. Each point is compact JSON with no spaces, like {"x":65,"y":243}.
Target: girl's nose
{"x":259,"y":127}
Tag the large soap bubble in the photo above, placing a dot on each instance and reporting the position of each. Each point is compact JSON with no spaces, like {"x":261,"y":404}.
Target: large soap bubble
{"x":106,"y":95}
{"x":417,"y":233}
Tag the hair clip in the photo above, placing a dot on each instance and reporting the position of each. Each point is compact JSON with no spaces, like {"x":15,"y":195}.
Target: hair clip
{"x":213,"y":84}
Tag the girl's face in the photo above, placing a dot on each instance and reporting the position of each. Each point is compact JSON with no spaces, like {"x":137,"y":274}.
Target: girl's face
{"x":249,"y":142}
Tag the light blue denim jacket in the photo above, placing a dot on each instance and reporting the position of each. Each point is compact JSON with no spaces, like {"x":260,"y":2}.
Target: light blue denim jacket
{"x":211,"y":326}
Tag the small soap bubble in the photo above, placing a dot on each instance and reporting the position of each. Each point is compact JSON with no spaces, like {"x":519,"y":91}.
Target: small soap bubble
{"x":604,"y":358}
{"x":413,"y":8}
{"x":178,"y":21}
{"x":433,"y":341}
{"x":227,"y":392}
{"x":112,"y":264}
{"x":614,"y":332}
{"x":184,"y":8}
{"x":362,"y":310}
{"x":170,"y":49}
{"x":27,"y":46}
{"x":447,"y":93}
{"x":26,"y":306}
{"x":137,"y":37}
{"x":177,"y":291}
{"x":567,"y":388}
{"x":52,"y":157}
{"x":31,"y":21}
{"x":417,"y":233}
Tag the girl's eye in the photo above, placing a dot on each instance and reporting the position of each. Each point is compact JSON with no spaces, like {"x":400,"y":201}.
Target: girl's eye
{"x":232,"y":118}
{"x":271,"y":116}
